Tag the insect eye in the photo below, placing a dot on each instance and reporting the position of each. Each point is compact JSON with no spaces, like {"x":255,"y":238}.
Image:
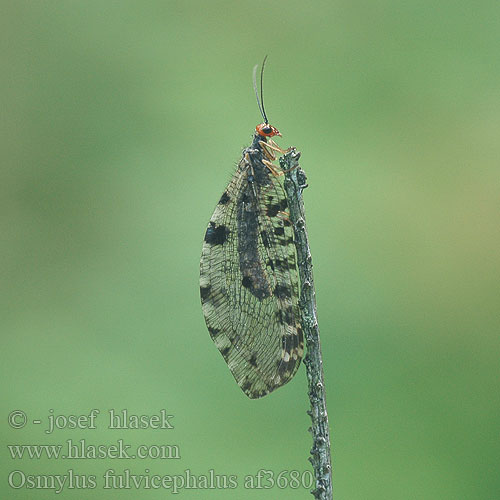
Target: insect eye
{"x":267,"y":129}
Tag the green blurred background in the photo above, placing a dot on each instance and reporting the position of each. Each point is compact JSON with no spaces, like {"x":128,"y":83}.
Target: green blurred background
{"x":121,"y":123}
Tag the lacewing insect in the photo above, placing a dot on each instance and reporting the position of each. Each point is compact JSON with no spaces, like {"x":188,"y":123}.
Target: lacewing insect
{"x":249,"y":283}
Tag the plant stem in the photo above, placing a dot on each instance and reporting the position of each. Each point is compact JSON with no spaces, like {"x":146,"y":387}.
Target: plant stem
{"x":295,"y":183}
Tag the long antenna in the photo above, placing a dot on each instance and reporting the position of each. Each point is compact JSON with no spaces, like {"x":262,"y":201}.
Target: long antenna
{"x":260,"y":101}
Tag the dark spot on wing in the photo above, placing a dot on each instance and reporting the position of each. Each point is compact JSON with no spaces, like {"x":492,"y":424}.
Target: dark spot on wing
{"x":225,"y":351}
{"x":286,"y":241}
{"x":279,"y":231}
{"x":300,"y":336}
{"x":286,"y":316}
{"x":281,"y":264}
{"x":213,"y":331}
{"x":247,"y":282}
{"x":246,"y":386}
{"x":285,"y":343}
{"x":216,"y":235}
{"x":272,"y":210}
{"x":279,"y":316}
{"x":285,"y":368}
{"x":289,"y":342}
{"x":204,"y":292}
{"x":253,"y":360}
{"x":224,"y":198}
{"x":270,"y":387}
{"x":270,"y":264}
{"x":265,"y":239}
{"x":282,"y":291}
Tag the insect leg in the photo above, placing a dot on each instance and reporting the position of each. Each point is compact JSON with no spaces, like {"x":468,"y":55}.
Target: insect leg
{"x":273,"y":169}
{"x":272,"y":145}
{"x":268,"y":148}
{"x":267,"y":152}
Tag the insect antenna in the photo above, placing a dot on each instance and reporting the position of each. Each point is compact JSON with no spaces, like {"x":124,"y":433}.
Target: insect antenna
{"x":260,"y":101}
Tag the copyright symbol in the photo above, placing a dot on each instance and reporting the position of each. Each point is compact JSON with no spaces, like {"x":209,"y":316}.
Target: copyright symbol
{"x":17,"y":419}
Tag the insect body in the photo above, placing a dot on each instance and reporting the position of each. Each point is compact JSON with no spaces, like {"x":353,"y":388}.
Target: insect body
{"x":248,"y":276}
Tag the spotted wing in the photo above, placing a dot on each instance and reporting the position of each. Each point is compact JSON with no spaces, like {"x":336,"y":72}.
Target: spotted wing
{"x":249,"y":282}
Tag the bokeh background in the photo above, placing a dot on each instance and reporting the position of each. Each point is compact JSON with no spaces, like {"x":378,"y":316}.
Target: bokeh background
{"x":121,"y":123}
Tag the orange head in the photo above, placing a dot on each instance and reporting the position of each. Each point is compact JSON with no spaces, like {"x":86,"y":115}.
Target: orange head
{"x":266,"y":130}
